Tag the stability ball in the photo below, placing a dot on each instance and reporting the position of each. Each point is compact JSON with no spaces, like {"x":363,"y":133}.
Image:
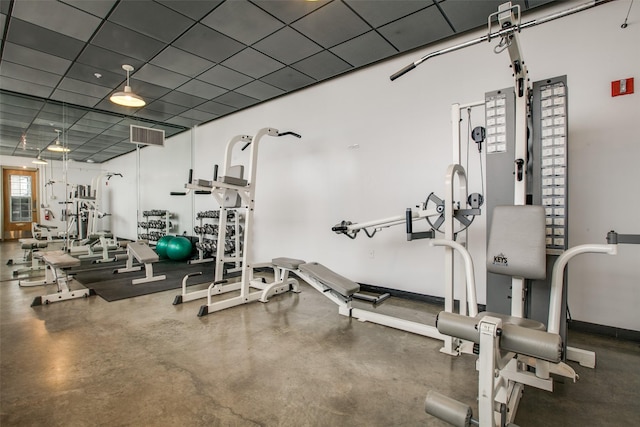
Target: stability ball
{"x":179,"y":248}
{"x":161,"y":246}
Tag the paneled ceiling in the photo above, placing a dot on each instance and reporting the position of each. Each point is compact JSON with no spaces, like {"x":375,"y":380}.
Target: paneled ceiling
{"x":195,"y":61}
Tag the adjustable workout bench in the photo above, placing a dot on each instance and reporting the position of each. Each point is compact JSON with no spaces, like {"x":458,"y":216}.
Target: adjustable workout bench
{"x":145,"y":255}
{"x":57,"y":263}
{"x":337,"y":288}
{"x":29,"y":246}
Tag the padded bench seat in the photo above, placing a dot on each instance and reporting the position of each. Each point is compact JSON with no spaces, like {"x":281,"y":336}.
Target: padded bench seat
{"x":330,"y":278}
{"x":143,"y":253}
{"x":60,"y":259}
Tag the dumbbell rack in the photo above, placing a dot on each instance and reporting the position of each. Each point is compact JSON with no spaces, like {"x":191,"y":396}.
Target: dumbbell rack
{"x":207,"y":233}
{"x":155,"y":228}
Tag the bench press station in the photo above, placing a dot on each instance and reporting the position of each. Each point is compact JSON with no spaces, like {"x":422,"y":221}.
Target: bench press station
{"x":57,"y":262}
{"x":30,"y":247}
{"x":145,"y":255}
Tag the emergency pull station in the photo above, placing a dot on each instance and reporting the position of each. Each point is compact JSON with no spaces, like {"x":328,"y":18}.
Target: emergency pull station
{"x":622,"y":87}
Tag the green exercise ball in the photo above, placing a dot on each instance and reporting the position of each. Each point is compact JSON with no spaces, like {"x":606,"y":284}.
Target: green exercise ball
{"x":179,"y":248}
{"x":161,"y":246}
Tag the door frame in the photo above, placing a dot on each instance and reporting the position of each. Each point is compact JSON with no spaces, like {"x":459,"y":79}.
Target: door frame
{"x":35,"y":187}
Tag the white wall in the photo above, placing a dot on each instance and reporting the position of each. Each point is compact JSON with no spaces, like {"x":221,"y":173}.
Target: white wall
{"x":161,"y":171}
{"x":51,"y":195}
{"x":403,"y":130}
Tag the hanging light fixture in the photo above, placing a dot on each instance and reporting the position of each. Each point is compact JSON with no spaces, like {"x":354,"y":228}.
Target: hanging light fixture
{"x":58,"y":148}
{"x":39,"y":160}
{"x":127,"y":98}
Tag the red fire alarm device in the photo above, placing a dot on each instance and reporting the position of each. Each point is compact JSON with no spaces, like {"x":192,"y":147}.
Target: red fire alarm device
{"x":622,"y":87}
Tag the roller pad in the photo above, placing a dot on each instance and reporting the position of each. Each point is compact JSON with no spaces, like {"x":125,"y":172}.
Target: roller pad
{"x":448,"y":409}
{"x":330,"y":278}
{"x":538,"y":344}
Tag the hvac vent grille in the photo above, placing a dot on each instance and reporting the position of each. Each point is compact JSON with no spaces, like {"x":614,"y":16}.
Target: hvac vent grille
{"x":146,"y":136}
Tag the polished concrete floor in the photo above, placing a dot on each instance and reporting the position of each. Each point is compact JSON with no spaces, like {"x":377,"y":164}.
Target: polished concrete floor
{"x":291,"y":362}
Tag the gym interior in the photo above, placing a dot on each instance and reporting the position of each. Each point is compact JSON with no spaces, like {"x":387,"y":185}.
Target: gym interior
{"x":337,"y":212}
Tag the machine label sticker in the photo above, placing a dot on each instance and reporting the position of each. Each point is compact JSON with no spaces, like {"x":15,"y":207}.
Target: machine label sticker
{"x":500,"y":260}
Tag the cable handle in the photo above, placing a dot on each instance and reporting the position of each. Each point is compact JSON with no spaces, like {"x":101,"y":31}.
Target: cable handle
{"x":289,"y":133}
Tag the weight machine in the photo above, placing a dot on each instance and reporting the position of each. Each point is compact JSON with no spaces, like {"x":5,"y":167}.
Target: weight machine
{"x":515,"y":351}
{"x":87,"y":210}
{"x":233,"y":192}
{"x":442,"y":215}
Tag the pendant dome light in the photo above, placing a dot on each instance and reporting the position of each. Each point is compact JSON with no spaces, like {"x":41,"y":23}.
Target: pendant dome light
{"x":127,"y":98}
{"x":58,"y":148}
{"x":39,"y":160}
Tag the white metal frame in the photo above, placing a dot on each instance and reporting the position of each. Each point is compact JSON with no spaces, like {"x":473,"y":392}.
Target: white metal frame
{"x":221,"y":191}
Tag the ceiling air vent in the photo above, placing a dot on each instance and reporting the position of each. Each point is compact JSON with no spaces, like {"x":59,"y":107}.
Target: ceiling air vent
{"x":146,"y":136}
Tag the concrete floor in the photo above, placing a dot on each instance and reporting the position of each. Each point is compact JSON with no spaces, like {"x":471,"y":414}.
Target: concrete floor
{"x":291,"y":362}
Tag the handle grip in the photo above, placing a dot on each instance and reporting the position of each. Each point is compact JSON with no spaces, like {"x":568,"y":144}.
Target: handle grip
{"x":402,"y":72}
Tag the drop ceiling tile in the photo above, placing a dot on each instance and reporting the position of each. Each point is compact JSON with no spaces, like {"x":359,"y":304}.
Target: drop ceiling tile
{"x":27,"y":88}
{"x":465,"y":14}
{"x":148,"y":91}
{"x":364,"y":49}
{"x":102,"y":117}
{"x":236,"y":100}
{"x":107,"y":60}
{"x":252,"y":63}
{"x":3,"y":21}
{"x":145,"y":113}
{"x":183,"y":121}
{"x":43,"y":40}
{"x":331,"y":24}
{"x":118,"y":133}
{"x":78,"y":126}
{"x":242,"y":21}
{"x":15,"y":119}
{"x":21,"y":101}
{"x":182,"y":62}
{"x":151,"y":19}
{"x":194,"y":9}
{"x":130,"y":43}
{"x":56,"y":16}
{"x":287,"y":46}
{"x":289,"y":11}
{"x":184,"y":99}
{"x":380,"y":12}
{"x":98,"y":8}
{"x":20,"y":111}
{"x":202,"y":89}
{"x":322,"y":65}
{"x":34,"y":59}
{"x":417,"y":29}
{"x":74,"y":98}
{"x":86,"y":73}
{"x":20,"y":72}
{"x":207,"y":43}
{"x":216,"y":108}
{"x":199,"y":116}
{"x":84,"y":88}
{"x":159,"y":76}
{"x":224,"y":77}
{"x":165,"y":107}
{"x":259,"y":90}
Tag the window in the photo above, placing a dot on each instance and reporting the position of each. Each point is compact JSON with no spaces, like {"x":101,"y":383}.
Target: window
{"x":20,"y":203}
